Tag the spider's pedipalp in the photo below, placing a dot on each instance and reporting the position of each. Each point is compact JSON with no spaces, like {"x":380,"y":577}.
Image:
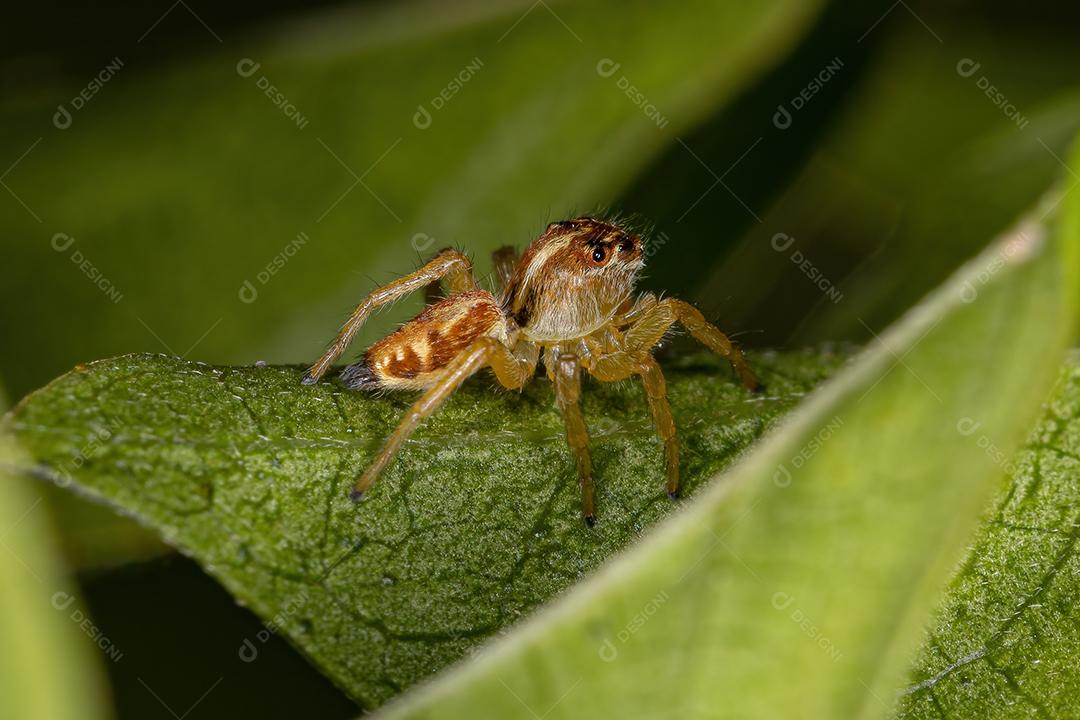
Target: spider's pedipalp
{"x":512,"y":370}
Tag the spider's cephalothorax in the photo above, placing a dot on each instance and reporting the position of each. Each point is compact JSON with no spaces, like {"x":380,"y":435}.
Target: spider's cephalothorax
{"x":570,"y":295}
{"x":571,"y":279}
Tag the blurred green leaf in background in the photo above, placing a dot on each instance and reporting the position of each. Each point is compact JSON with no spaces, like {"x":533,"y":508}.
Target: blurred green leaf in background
{"x":48,"y":668}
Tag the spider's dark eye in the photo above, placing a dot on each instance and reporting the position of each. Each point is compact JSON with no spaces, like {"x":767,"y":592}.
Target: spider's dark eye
{"x":599,"y":255}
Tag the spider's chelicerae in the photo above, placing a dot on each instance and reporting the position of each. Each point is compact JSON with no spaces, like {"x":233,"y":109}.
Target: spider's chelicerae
{"x":570,"y":295}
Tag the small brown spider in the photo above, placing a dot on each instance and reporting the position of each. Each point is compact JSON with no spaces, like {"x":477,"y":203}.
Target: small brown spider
{"x":570,"y":294}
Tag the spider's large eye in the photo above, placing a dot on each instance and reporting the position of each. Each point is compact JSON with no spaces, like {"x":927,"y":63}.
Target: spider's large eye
{"x":599,"y":255}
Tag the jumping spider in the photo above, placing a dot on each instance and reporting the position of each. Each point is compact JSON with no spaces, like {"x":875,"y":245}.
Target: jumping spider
{"x":570,"y":295}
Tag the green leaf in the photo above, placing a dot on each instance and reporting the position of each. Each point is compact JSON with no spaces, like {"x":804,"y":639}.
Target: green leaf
{"x":796,"y":585}
{"x":1004,"y":643}
{"x":47,"y":669}
{"x":476,"y":524}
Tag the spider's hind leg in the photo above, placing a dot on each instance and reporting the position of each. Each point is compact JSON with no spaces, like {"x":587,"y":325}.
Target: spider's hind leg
{"x":450,"y":379}
{"x":513,"y":370}
{"x":451,"y":265}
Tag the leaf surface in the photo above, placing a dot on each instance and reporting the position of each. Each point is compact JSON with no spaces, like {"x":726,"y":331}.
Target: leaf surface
{"x":1005,"y":640}
{"x":476,"y":524}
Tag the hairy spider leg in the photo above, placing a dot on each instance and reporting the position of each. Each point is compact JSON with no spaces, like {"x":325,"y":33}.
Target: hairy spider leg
{"x":656,"y":320}
{"x":649,"y":320}
{"x":512,"y":371}
{"x":450,"y":265}
{"x":620,"y":364}
{"x":567,"y":376}
{"x":656,"y":394}
{"x":505,"y":260}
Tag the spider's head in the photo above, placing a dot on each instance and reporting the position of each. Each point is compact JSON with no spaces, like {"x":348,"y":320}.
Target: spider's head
{"x":573,"y":277}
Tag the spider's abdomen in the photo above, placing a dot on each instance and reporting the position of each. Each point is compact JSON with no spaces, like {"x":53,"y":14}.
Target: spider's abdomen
{"x":410,"y":357}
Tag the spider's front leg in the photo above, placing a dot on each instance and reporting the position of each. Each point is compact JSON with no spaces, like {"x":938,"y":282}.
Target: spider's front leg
{"x":566,"y":373}
{"x":647,"y":330}
{"x":450,"y":265}
{"x":619,"y":365}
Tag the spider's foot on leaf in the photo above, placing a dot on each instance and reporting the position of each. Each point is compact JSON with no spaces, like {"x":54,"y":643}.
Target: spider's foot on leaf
{"x":590,"y":520}
{"x":307,"y":379}
{"x":674,"y":495}
{"x":356,"y":495}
